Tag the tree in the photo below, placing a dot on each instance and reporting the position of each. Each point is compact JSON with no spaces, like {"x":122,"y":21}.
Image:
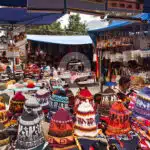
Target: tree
{"x":75,"y":25}
{"x":54,"y":28}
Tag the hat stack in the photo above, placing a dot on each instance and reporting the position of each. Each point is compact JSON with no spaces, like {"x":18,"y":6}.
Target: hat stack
{"x":32,"y":103}
{"x":85,"y":125}
{"x":59,"y":99}
{"x":82,"y":96}
{"x":3,"y":114}
{"x":119,"y":120}
{"x":43,"y":97}
{"x":17,"y":103}
{"x":4,"y":77}
{"x":30,"y":135}
{"x":141,"y":113}
{"x":4,"y":137}
{"x":60,"y":133}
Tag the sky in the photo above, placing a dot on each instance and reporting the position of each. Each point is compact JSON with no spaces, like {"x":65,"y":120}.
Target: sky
{"x":91,"y":21}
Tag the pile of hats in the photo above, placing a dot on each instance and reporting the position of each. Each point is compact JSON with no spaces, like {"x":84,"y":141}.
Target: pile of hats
{"x":141,"y":116}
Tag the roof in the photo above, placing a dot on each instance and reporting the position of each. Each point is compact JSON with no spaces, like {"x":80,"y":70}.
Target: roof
{"x":119,"y":23}
{"x":64,"y":40}
{"x":22,"y":16}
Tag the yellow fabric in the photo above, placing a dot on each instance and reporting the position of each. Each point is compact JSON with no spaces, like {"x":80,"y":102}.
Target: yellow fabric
{"x":4,"y":142}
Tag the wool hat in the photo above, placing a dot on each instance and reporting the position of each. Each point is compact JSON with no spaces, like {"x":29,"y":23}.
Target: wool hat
{"x":43,"y":97}
{"x":142,"y":106}
{"x":83,"y":95}
{"x":3,"y":113}
{"x":119,"y":119}
{"x":60,"y":133}
{"x":32,"y":103}
{"x":59,"y":99}
{"x":30,"y":135}
{"x":4,"y":137}
{"x":85,"y":125}
{"x":17,"y":103}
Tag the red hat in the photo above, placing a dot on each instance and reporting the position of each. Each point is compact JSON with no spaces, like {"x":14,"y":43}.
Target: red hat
{"x":60,"y":130}
{"x":19,"y":97}
{"x":119,"y":119}
{"x":84,"y":94}
{"x":17,"y":102}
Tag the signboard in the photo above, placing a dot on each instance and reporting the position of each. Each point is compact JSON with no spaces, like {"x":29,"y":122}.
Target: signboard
{"x":125,"y":5}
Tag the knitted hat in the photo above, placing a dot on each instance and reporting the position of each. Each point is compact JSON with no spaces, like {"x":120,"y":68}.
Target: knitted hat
{"x":17,"y":102}
{"x":83,"y":95}
{"x":29,"y":131}
{"x":142,"y":106}
{"x":85,"y":125}
{"x":3,"y":86}
{"x":119,"y":119}
{"x":4,"y":137}
{"x":43,"y":97}
{"x":60,"y":130}
{"x":3,"y":113}
{"x":32,"y":103}
{"x":59,"y":99}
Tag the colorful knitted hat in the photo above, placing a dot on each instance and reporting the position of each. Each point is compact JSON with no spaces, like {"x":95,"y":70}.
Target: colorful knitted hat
{"x":3,"y":114}
{"x":142,"y":106}
{"x":85,"y":125}
{"x":83,"y":95}
{"x":119,"y":119}
{"x":17,"y":103}
{"x":43,"y":97}
{"x":30,"y":135}
{"x":4,"y":137}
{"x":60,"y":133}
{"x":59,"y":99}
{"x":32,"y":103}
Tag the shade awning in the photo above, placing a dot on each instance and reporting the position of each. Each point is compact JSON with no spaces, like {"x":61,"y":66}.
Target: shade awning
{"x":64,"y":40}
{"x":21,"y":16}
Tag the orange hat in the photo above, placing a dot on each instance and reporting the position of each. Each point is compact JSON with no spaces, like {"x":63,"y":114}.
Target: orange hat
{"x":119,"y":119}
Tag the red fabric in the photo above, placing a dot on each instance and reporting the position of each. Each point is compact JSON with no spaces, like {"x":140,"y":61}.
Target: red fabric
{"x":19,"y":97}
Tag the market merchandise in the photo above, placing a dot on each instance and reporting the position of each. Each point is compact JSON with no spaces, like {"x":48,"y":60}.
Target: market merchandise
{"x":119,"y":120}
{"x":59,"y":99}
{"x":3,"y":114}
{"x":85,"y":124}
{"x":17,"y":103}
{"x":60,"y":134}
{"x":43,"y":97}
{"x":83,"y":95}
{"x":32,"y":103}
{"x":30,"y":135}
{"x":141,"y":114}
